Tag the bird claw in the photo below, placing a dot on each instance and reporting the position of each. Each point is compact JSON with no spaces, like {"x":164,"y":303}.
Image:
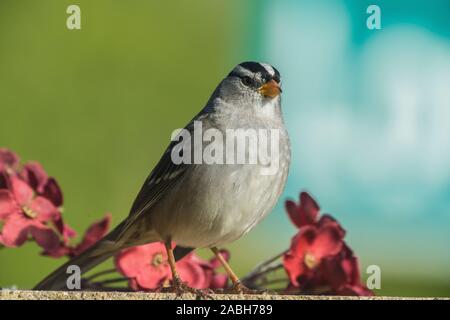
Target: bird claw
{"x":179,"y":288}
{"x":239,"y":288}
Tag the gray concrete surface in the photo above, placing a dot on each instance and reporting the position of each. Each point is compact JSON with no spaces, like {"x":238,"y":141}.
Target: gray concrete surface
{"x":92,"y":295}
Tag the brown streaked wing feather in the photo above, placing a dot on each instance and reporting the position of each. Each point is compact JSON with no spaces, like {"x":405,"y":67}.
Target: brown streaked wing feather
{"x":164,"y":176}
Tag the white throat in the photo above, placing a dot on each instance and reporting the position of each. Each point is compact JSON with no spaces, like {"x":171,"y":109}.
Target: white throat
{"x":268,"y":108}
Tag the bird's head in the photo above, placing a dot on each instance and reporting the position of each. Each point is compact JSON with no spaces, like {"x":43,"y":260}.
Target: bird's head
{"x":251,"y":83}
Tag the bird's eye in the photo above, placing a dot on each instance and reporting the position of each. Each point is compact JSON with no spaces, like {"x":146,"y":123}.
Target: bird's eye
{"x":247,"y":81}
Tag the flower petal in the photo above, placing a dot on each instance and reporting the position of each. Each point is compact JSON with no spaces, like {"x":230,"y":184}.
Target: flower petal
{"x":35,"y":175}
{"x":332,"y":272}
{"x":151,"y":278}
{"x":294,"y":266}
{"x":351,"y":268}
{"x":328,"y":242}
{"x":7,"y":204}
{"x":303,"y":240}
{"x":4,"y":184}
{"x":130,"y":262}
{"x":305,"y":213}
{"x":15,"y":231}
{"x":21,"y":190}
{"x":192,"y":273}
{"x":309,"y":209}
{"x":293,"y":213}
{"x":8,"y":159}
{"x":328,"y":220}
{"x":58,"y":252}
{"x":94,"y":233}
{"x":68,"y":232}
{"x":357,"y":290}
{"x":44,"y":209}
{"x":45,"y":237}
{"x":293,"y":260}
{"x":133,"y":285}
{"x":219,"y":281}
{"x":64,"y":229}
{"x":53,"y":192}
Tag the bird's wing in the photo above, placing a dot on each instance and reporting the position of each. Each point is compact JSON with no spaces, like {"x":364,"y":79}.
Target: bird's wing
{"x":162,"y":178}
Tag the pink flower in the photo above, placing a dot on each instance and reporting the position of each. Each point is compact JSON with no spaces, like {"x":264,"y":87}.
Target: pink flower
{"x":29,"y":202}
{"x":145,"y":265}
{"x":309,"y":247}
{"x":25,"y":214}
{"x":319,"y":261}
{"x":148,"y":269}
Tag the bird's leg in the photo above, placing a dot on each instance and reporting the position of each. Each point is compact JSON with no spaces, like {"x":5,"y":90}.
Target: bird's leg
{"x":171,"y":259}
{"x":179,"y":287}
{"x":237,"y":287}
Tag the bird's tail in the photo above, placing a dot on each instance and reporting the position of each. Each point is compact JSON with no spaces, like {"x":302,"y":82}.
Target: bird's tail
{"x":99,"y":252}
{"x":87,"y":260}
{"x":57,"y":280}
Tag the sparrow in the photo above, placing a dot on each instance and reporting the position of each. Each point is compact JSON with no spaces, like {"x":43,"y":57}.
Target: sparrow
{"x":203,"y":205}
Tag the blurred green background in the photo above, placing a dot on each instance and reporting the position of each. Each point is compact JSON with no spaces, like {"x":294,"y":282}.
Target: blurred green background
{"x":367,"y":111}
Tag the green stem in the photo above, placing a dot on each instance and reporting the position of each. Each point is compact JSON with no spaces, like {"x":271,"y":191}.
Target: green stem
{"x":101,"y":273}
{"x":274,"y":281}
{"x":262,"y":269}
{"x":108,"y":281}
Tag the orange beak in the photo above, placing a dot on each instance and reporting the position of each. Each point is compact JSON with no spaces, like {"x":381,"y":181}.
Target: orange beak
{"x":270,"y":89}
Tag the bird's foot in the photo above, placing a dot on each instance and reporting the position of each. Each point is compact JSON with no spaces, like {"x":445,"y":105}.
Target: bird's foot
{"x":179,"y":288}
{"x":239,"y":288}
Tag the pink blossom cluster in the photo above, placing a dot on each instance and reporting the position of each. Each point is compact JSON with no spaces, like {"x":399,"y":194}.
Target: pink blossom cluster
{"x":319,"y":261}
{"x":30,"y":210}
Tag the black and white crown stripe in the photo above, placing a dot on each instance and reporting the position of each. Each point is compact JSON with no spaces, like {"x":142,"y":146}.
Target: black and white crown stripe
{"x":266,"y":71}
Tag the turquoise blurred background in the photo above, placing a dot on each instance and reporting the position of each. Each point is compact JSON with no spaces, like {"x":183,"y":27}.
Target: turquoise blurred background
{"x":368,"y":113}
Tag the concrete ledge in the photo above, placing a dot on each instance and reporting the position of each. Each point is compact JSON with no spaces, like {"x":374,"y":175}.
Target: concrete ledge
{"x":92,"y":295}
